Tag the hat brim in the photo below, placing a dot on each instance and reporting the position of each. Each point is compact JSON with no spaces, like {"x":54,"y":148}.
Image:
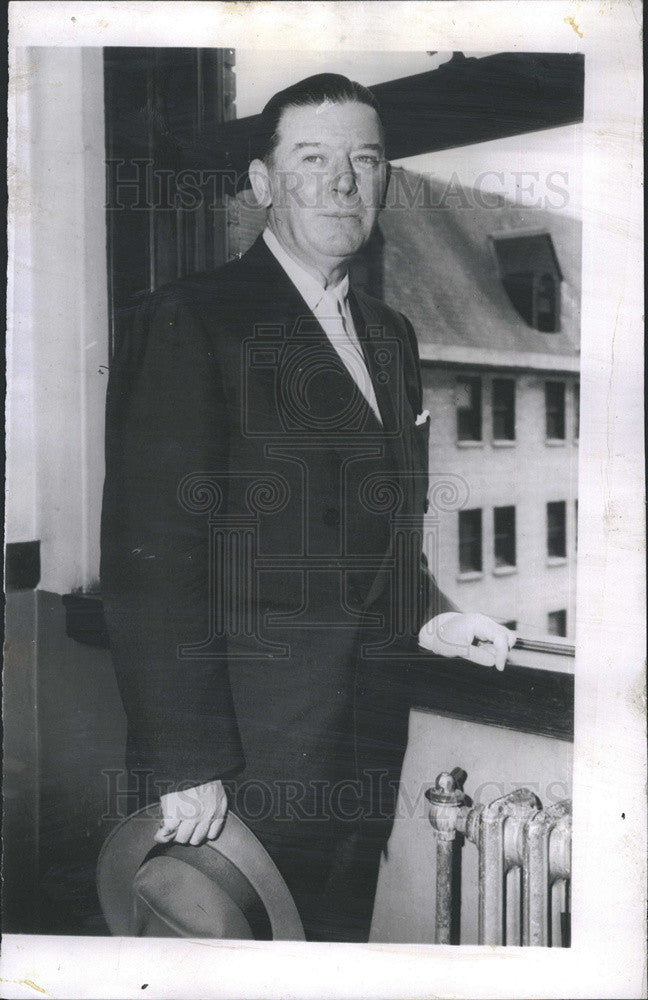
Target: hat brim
{"x":128,"y":845}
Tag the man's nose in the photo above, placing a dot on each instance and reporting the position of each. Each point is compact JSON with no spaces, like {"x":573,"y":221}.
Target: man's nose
{"x":344,"y":178}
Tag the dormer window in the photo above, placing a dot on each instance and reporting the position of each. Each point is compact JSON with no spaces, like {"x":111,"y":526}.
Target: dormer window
{"x":531,"y":276}
{"x":546,"y":315}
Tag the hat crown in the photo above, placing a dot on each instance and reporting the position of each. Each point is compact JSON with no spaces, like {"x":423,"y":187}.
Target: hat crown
{"x":170,"y":896}
{"x":227,"y":888}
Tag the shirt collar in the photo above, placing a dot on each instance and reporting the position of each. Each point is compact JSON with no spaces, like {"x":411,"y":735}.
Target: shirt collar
{"x":311,"y":290}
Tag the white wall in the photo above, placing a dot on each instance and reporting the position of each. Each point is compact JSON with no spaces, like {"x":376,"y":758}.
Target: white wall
{"x":21,"y":517}
{"x":497,"y":761}
{"x":260,"y":73}
{"x":58,"y":322}
{"x":533,"y":170}
{"x":528,"y":474}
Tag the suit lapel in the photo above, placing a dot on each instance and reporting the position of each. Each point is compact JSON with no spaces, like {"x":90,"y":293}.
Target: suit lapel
{"x":384,"y":361}
{"x":301,"y":326}
{"x":378,"y":350}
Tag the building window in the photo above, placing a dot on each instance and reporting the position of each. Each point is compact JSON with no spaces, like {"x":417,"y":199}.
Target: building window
{"x":576,"y":412}
{"x":503,"y":401}
{"x":556,"y":545}
{"x":545,"y":293}
{"x":555,"y":410}
{"x":470,"y":541}
{"x":504,"y":523}
{"x":468,"y":396}
{"x":557,"y":622}
{"x":531,"y":277}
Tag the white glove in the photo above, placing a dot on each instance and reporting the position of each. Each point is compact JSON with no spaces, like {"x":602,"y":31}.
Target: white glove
{"x":452,"y":634}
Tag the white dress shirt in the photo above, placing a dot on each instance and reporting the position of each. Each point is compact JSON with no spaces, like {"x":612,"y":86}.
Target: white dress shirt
{"x":331,"y":307}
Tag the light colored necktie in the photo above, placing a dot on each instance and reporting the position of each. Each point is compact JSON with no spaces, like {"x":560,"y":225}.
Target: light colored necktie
{"x":346,"y":343}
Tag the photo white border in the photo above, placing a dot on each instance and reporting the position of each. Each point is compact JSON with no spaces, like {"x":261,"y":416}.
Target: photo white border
{"x":607,"y":957}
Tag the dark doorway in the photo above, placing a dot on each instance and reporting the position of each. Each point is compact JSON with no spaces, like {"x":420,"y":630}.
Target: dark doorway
{"x":166,"y":204}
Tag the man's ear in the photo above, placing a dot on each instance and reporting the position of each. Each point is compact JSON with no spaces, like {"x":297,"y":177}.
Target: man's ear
{"x":260,"y":181}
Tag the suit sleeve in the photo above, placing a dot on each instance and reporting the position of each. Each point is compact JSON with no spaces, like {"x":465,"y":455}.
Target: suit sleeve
{"x":166,"y":418}
{"x":432,"y":599}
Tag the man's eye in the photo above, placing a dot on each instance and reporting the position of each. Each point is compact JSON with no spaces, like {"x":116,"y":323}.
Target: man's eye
{"x":315,"y":158}
{"x":366,"y":160}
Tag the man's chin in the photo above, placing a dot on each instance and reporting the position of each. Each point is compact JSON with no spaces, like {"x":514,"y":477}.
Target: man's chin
{"x":338,"y":245}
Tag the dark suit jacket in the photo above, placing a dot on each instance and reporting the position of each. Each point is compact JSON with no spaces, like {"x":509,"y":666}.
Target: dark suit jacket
{"x":255,"y":514}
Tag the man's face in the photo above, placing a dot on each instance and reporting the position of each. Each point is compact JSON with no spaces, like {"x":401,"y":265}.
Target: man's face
{"x":326,"y":181}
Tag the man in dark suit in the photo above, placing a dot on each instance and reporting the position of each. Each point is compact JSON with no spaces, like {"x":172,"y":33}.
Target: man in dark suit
{"x":262,"y":528}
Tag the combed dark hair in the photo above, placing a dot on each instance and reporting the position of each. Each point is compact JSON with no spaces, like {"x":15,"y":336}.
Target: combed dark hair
{"x":313,"y":90}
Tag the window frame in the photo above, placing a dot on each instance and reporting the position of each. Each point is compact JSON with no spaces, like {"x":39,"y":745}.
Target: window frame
{"x":552,"y":614}
{"x":553,"y":529}
{"x":549,"y":385}
{"x":475,"y":542}
{"x":497,"y":409}
{"x":476,"y":409}
{"x":509,"y":536}
{"x":545,"y":285}
{"x":531,"y":276}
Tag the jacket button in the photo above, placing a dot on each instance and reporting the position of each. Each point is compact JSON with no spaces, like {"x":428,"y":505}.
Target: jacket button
{"x":331,"y":517}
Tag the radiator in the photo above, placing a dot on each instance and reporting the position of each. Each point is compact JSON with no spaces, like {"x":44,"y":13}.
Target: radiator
{"x":524,"y":864}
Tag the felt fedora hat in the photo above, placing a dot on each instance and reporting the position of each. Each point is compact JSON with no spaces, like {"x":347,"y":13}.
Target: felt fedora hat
{"x":226,"y":888}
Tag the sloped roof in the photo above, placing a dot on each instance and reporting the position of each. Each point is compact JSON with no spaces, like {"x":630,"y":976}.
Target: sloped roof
{"x":440,"y":269}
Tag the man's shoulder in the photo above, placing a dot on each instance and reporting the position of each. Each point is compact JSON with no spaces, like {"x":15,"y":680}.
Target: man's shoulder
{"x":233,"y":282}
{"x":222,"y":284}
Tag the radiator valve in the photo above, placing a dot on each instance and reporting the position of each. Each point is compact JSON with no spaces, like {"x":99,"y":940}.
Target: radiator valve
{"x":446,"y":798}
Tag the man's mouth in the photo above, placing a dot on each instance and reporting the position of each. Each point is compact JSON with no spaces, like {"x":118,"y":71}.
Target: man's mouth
{"x":340,"y":215}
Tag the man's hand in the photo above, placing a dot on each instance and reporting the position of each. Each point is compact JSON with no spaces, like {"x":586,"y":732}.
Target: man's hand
{"x":193,"y":815}
{"x":453,"y":634}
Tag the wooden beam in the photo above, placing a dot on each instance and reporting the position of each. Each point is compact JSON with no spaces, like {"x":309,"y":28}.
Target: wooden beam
{"x":464,"y":101}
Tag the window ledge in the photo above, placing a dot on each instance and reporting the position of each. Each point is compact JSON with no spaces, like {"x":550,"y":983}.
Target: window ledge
{"x":556,"y":560}
{"x":504,"y":570}
{"x":470,"y":444}
{"x":555,"y":442}
{"x":503,"y":443}
{"x":471,"y":575}
{"x":551,"y":653}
